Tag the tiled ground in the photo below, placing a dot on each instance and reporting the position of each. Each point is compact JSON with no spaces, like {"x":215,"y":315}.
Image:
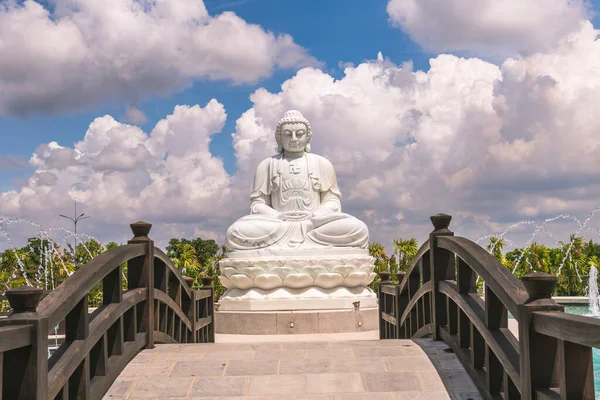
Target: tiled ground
{"x":349,"y":370}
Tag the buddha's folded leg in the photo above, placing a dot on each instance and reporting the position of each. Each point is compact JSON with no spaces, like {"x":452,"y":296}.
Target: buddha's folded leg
{"x":255,"y":232}
{"x":340,"y":230}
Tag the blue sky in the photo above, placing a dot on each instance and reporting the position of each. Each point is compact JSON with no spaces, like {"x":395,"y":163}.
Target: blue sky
{"x":499,"y":130}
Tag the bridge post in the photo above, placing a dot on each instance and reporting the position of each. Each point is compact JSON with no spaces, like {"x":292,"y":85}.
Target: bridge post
{"x":538,"y":353}
{"x":141,"y":274}
{"x":26,"y":375}
{"x":441,"y":265}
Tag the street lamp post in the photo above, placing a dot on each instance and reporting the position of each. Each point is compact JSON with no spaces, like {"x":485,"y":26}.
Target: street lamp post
{"x":75,"y":220}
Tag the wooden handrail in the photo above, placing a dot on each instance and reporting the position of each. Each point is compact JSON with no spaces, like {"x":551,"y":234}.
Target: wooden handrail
{"x":14,"y":337}
{"x":61,"y":301}
{"x":498,"y":278}
{"x":552,"y":357}
{"x":157,"y":307}
{"x":577,"y":329}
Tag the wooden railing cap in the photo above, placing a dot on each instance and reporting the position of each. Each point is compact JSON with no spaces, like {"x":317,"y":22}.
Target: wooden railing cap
{"x":206,"y":280}
{"x":384,"y":276}
{"x":441,"y":222}
{"x":189,"y":280}
{"x":140,"y":231}
{"x":24,"y":298}
{"x":539,"y":285}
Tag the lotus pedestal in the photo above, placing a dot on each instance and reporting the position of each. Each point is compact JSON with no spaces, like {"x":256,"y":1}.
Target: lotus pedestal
{"x":309,"y":291}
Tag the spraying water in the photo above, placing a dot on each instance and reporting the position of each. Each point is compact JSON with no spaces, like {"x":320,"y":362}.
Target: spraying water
{"x":593,"y":294}
{"x":50,"y":255}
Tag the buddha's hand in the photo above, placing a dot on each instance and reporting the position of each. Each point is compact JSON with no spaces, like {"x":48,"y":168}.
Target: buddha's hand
{"x":294,"y":216}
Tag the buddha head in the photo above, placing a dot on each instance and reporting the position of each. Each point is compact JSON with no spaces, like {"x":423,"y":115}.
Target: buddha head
{"x":293,"y":133}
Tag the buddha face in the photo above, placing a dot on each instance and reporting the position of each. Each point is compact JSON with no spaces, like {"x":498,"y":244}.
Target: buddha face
{"x":294,"y":137}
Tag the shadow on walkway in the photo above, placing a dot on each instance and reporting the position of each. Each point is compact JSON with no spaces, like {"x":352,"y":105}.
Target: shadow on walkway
{"x":456,"y":380}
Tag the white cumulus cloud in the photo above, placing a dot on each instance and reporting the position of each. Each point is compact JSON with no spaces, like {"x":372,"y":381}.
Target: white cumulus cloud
{"x":488,"y":27}
{"x":82,"y":52}
{"x":120,"y":174}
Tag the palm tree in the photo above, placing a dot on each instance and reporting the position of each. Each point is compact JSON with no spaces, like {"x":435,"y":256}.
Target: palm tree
{"x":377,"y":250}
{"x":187,"y":262}
{"x":574,"y":262}
{"x":495,"y":247}
{"x":406,"y":250}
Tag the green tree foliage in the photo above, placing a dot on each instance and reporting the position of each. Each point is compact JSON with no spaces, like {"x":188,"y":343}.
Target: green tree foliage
{"x":198,"y":258}
{"x":377,"y":251}
{"x":204,"y":249}
{"x":576,"y":257}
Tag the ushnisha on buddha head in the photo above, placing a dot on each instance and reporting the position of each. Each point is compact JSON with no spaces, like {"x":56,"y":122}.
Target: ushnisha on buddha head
{"x":293,"y":133}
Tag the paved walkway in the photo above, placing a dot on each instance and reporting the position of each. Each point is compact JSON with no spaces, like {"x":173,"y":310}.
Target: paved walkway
{"x":333,"y":370}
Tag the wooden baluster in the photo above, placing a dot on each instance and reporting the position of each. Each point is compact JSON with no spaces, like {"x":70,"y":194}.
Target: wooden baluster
{"x":171,"y":324}
{"x":26,"y":377}
{"x":401,"y":302}
{"x":466,"y":278}
{"x":112,"y":288}
{"x":440,"y":270}
{"x":464,"y":330}
{"x":188,"y":308}
{"x":420,"y":316}
{"x":576,"y":371}
{"x":99,"y":358}
{"x":112,"y":294}
{"x":77,"y":328}
{"x":509,"y":389}
{"x":466,"y":282}
{"x":140,"y":272}
{"x":79,"y":382}
{"x":157,"y":310}
{"x":77,"y":322}
{"x":130,"y":325}
{"x":494,"y":372}
{"x":175,"y":290}
{"x":384,"y":278}
{"x":452,"y":312}
{"x":114,"y":337}
{"x":414,"y":282}
{"x":477,"y":348}
{"x":424,"y":266}
{"x":198,"y":303}
{"x":537,"y":352}
{"x":161,"y":277}
{"x":427,"y":308}
{"x":163,"y":317}
{"x":211,"y":313}
{"x":177,"y":333}
{"x":496,"y":316}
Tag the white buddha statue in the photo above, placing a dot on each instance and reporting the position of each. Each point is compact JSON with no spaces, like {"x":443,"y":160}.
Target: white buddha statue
{"x":295,"y":200}
{"x":296,"y":242}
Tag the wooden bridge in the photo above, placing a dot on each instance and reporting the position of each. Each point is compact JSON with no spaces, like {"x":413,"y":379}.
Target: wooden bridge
{"x":549,"y":357}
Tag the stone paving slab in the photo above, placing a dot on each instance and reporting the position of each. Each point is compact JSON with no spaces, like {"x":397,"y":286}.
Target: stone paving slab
{"x":326,"y":370}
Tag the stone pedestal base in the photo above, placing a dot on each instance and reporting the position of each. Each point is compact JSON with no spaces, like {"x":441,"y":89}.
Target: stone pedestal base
{"x":296,"y":322}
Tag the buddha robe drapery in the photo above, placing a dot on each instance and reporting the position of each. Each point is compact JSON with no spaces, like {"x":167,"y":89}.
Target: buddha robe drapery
{"x":314,"y":193}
